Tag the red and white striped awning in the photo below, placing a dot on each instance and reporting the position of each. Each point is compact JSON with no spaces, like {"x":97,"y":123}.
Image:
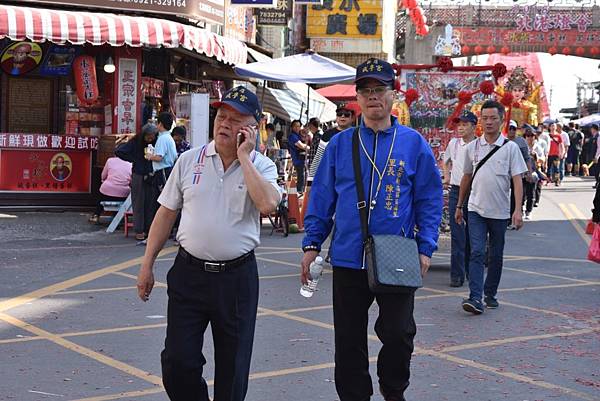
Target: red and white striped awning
{"x":78,"y":27}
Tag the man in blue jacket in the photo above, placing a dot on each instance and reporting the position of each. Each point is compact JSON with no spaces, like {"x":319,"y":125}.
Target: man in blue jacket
{"x":404,"y":190}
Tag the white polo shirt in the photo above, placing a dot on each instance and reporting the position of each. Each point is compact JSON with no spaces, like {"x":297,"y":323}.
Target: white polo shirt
{"x":455,"y":153}
{"x":219,"y":220}
{"x":490,"y":190}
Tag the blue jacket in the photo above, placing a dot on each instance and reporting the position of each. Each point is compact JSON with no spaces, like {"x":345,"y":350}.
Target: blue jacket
{"x":417,"y":203}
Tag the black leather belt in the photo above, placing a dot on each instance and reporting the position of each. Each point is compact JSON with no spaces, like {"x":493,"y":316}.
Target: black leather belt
{"x":215,"y":266}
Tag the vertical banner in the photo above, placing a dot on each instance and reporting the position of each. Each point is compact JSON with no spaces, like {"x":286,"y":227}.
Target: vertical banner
{"x":127,"y":95}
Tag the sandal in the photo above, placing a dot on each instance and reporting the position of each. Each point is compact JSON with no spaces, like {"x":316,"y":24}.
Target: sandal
{"x":94,"y":219}
{"x":140,"y":236}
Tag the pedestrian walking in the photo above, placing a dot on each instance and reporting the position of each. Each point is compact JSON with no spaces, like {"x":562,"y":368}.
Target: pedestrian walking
{"x":566,"y":145}
{"x":512,"y":136}
{"x":163,"y":156}
{"x":179,"y":134}
{"x":344,"y":120}
{"x":491,"y":163}
{"x":142,"y":201}
{"x":298,"y":149}
{"x":403,"y":189}
{"x":453,"y":172}
{"x":220,"y":188}
{"x":555,"y":155}
{"x":574,"y":152}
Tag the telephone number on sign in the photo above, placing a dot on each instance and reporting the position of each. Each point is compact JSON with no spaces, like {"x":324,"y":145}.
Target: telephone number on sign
{"x":160,"y":3}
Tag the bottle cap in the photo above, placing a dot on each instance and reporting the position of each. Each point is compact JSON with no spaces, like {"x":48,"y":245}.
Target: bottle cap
{"x":319,"y":260}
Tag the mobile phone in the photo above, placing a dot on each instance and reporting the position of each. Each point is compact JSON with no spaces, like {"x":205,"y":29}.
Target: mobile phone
{"x":240,"y":139}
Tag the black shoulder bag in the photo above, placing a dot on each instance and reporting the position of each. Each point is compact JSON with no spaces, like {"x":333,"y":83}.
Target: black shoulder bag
{"x":392,"y":261}
{"x":486,"y":158}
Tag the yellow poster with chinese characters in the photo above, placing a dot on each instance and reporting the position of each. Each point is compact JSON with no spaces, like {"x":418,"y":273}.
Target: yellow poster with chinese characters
{"x":352,"y":19}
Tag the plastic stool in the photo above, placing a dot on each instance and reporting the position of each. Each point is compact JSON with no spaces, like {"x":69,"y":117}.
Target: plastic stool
{"x":128,"y":222}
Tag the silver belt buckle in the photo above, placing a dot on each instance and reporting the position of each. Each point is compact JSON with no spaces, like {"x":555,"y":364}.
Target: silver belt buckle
{"x":212,"y":267}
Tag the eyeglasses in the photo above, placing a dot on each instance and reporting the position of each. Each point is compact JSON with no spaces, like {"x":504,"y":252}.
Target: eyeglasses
{"x":376,"y":90}
{"x":344,"y":114}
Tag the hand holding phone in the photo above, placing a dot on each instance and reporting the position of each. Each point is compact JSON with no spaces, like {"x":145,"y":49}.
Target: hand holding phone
{"x":240,"y":139}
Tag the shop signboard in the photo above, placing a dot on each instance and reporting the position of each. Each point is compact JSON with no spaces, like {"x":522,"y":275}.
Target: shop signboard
{"x":127,"y":96}
{"x":45,"y":170}
{"x":58,"y":60}
{"x":20,"y":58}
{"x":254,"y":3}
{"x":275,"y":16}
{"x":349,"y":20}
{"x":212,"y":11}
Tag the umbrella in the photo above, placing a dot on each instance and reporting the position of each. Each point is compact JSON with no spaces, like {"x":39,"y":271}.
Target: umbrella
{"x":308,"y":68}
{"x":588,"y":120}
{"x":338,"y":92}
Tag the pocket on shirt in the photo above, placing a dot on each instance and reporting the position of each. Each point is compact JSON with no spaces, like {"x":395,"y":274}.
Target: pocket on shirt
{"x":500,"y":167}
{"x":237,"y":202}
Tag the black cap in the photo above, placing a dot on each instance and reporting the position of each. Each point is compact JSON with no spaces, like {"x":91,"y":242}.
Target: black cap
{"x":467,"y":117}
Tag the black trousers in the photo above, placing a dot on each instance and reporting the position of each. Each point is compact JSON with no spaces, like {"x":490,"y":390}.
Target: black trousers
{"x":395,"y":327}
{"x":228,"y":301}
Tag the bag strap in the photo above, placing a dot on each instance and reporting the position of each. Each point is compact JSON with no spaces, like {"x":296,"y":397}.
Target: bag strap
{"x":487,"y":157}
{"x":360,"y":189}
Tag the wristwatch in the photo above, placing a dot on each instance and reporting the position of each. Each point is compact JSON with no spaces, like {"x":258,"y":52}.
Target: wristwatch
{"x":311,"y":247}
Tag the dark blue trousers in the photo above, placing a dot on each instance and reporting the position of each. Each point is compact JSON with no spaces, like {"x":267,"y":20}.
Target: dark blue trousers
{"x":228,"y":301}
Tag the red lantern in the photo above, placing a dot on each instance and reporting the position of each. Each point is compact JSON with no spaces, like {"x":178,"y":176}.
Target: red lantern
{"x":416,"y":15}
{"x":486,"y":87}
{"x":594,"y":51}
{"x":505,"y":50}
{"x":478,"y":49}
{"x":553,"y":50}
{"x":580,"y":51}
{"x":465,"y":50}
{"x":491,"y":49}
{"x":566,"y":50}
{"x":410,"y":4}
{"x":84,"y":71}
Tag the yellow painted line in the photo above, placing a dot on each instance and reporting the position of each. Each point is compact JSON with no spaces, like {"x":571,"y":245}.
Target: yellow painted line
{"x":129,"y":394}
{"x":70,"y":292}
{"x":51,"y":289}
{"x":21,"y":339}
{"x":504,"y":341}
{"x":514,"y":376}
{"x":130,"y":370}
{"x":548,"y":275}
{"x":54,"y":248}
{"x":539,"y":310}
{"x":131,"y":276}
{"x":578,"y":213}
{"x":574,"y":223}
{"x":549,"y":287}
{"x":280,"y":262}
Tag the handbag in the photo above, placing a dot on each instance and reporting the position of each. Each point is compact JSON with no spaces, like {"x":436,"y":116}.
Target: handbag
{"x":594,"y":250}
{"x":392,"y":261}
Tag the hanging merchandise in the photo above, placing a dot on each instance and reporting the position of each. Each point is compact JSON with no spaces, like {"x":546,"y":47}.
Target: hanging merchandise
{"x":84,"y":71}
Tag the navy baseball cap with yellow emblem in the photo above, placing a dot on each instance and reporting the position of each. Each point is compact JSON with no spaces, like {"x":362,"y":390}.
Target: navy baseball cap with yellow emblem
{"x":377,"y":69}
{"x":242,"y":100}
{"x":467,"y":117}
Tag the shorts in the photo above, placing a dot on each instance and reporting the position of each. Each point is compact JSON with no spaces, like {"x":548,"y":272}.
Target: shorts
{"x":573,"y":156}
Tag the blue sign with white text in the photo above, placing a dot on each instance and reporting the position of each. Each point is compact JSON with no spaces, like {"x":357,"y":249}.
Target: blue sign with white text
{"x":58,"y":60}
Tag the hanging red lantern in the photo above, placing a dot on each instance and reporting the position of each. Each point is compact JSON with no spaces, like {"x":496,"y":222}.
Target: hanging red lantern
{"x":580,"y":51}
{"x":552,"y":51}
{"x":410,"y":4}
{"x":505,"y":50}
{"x":416,"y":15}
{"x":566,"y":50}
{"x":491,"y":49}
{"x":594,"y":51}
{"x":486,"y":87}
{"x":478,"y":49}
{"x":86,"y":84}
{"x":465,"y":50}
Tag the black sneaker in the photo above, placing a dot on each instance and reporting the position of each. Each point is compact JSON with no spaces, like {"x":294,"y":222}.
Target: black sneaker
{"x":456,"y":283}
{"x":491,"y":302}
{"x":473,"y":306}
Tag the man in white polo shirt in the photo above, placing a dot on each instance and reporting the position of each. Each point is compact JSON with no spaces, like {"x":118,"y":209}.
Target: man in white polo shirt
{"x":453,"y":173}
{"x":488,"y":175}
{"x":220,"y":188}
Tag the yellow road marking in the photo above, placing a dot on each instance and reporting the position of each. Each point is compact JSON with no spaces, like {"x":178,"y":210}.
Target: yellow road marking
{"x":70,"y":292}
{"x":134,"y":277}
{"x":521,"y":258}
{"x":574,"y":223}
{"x":129,"y":394}
{"x":54,"y":248}
{"x":504,"y":341}
{"x":130,"y":370}
{"x":510,"y":375}
{"x":577,"y":212}
{"x":64,"y":285}
{"x":547,"y":275}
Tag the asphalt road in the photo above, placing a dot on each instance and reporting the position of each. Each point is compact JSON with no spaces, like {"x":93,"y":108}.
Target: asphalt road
{"x":72,"y":327}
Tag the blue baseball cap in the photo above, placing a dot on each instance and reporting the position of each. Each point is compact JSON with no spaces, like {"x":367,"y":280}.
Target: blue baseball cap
{"x":242,"y":100}
{"x":376,"y":69}
{"x":467,"y":117}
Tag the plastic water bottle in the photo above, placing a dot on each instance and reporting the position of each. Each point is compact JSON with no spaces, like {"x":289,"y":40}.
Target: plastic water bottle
{"x":315,"y":271}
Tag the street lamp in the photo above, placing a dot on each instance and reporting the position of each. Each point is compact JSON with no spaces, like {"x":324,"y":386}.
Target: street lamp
{"x":109,"y":66}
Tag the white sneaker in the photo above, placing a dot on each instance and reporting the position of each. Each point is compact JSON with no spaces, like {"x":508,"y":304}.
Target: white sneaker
{"x":527,"y":216}
{"x":511,"y":227}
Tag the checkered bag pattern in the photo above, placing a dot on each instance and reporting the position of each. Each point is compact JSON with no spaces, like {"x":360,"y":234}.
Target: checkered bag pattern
{"x":393,"y":263}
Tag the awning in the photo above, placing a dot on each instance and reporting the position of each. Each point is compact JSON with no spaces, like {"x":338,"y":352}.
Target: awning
{"x":78,"y":27}
{"x":339,"y":92}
